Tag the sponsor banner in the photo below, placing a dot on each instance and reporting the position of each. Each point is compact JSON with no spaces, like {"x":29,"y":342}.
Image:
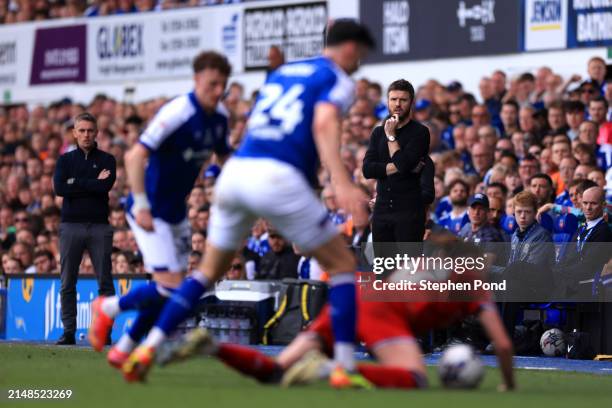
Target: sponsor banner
{"x":33,"y":309}
{"x":59,"y":55}
{"x":589,"y":23}
{"x":16,"y":44}
{"x":159,"y":45}
{"x":545,"y":24}
{"x":423,"y":29}
{"x":297,"y":29}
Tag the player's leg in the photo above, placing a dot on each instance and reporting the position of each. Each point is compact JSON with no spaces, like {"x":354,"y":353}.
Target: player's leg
{"x":399,"y":365}
{"x":228,"y":225}
{"x":291,"y":206}
{"x":119,"y":353}
{"x":337,"y":260}
{"x":167,"y":263}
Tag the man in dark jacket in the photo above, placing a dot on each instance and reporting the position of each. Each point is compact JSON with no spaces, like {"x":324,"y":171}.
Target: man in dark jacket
{"x":83,"y":177}
{"x":395,"y":158}
{"x":578,"y":274}
{"x":280,"y":261}
{"x":528,"y":274}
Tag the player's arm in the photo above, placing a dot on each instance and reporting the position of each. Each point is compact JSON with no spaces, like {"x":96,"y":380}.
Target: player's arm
{"x":135,"y":161}
{"x":493,"y":326}
{"x":326,"y":129}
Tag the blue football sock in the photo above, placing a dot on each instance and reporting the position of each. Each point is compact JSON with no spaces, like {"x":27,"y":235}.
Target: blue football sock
{"x":144,"y":321}
{"x":141,"y":297}
{"x":343,"y":307}
{"x":180,"y":305}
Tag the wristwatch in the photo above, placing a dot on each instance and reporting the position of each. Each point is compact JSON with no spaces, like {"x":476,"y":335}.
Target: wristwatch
{"x":390,"y":138}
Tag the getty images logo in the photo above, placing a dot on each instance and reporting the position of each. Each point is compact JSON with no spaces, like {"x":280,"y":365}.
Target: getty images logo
{"x":483,"y":12}
{"x":53,"y":317}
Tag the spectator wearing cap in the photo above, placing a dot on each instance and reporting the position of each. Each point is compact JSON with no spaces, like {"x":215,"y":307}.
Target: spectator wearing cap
{"x":422,"y":110}
{"x":83,"y":177}
{"x":454,"y":89}
{"x":395,"y":159}
{"x":478,"y":230}
{"x":589,"y":90}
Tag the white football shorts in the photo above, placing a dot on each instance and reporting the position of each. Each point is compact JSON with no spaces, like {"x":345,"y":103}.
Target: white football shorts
{"x":249,"y":188}
{"x":167,"y":248}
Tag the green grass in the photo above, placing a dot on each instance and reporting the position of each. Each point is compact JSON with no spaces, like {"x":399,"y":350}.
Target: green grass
{"x":207,"y":383}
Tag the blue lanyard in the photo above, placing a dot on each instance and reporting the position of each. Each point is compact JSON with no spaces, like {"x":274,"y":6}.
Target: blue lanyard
{"x":581,"y":241}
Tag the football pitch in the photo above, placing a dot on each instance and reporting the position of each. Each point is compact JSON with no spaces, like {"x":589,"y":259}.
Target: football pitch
{"x":205,"y":382}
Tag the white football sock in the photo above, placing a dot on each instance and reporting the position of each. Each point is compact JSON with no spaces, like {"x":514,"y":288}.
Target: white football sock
{"x":110,"y":306}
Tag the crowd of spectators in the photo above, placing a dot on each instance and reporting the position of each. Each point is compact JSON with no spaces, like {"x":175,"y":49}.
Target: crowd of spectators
{"x":535,"y":132}
{"x":17,"y":11}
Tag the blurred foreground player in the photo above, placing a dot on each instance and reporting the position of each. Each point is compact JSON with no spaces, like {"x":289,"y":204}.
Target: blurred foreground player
{"x":388,"y":329}
{"x":294,"y":123}
{"x":162,"y":169}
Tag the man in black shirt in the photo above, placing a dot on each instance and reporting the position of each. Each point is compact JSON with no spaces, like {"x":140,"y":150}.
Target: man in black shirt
{"x":83,"y":177}
{"x":395,"y":159}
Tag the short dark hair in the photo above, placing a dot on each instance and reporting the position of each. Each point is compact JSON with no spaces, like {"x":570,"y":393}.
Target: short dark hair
{"x":43,"y":252}
{"x":512,"y":103}
{"x":574,"y":106}
{"x":465,"y":185}
{"x":501,"y":186}
{"x":211,"y":60}
{"x":51,"y":211}
{"x":581,"y":185}
{"x":556,"y":105}
{"x":599,"y":99}
{"x":87,"y":117}
{"x":402,"y":85}
{"x":345,"y":29}
{"x":542,"y":176}
{"x":376,"y":86}
{"x":527,"y":76}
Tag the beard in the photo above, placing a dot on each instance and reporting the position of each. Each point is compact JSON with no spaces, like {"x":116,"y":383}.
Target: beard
{"x":401,"y":116}
{"x":461,"y":202}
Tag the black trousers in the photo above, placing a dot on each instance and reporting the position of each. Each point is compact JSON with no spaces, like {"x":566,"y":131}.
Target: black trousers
{"x":74,"y":239}
{"x":399,"y":226}
{"x":398,"y":233}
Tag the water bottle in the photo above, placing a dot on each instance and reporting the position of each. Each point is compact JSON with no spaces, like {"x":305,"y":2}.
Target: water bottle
{"x":223,"y":327}
{"x":244,"y":325}
{"x":213,"y":324}
{"x":234,"y":327}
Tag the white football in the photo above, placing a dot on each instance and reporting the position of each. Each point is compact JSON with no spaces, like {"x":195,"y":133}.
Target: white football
{"x":552,"y":343}
{"x":460,"y":367}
